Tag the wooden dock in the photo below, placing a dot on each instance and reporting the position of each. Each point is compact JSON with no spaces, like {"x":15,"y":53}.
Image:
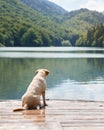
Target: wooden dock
{"x":58,"y":115}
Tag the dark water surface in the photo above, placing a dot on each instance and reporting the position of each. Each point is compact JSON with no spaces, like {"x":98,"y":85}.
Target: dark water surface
{"x":75,"y":73}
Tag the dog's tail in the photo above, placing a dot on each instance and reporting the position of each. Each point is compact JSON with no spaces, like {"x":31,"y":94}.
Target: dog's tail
{"x":24,"y":107}
{"x":19,"y":109}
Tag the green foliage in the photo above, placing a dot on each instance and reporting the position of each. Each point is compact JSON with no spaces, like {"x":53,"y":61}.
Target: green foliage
{"x":47,"y":8}
{"x":78,"y":22}
{"x":66,"y":43}
{"x":94,"y":37}
{"x":36,"y":37}
{"x":23,"y":24}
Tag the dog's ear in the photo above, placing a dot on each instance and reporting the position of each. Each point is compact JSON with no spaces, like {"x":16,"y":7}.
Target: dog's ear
{"x":36,"y":71}
{"x":47,"y":72}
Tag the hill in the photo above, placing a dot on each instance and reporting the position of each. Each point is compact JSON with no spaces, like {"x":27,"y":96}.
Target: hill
{"x":45,"y":7}
{"x":23,"y":26}
{"x":93,"y":38}
{"x":80,"y":21}
{"x":43,"y":23}
{"x":83,"y":17}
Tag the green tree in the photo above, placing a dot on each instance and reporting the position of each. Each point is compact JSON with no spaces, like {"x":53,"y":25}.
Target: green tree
{"x":94,"y":37}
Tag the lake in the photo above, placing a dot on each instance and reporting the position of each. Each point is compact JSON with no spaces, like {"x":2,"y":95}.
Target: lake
{"x":76,"y":73}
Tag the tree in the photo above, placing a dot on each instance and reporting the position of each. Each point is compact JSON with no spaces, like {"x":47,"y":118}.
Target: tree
{"x":94,"y":37}
{"x":66,"y":43}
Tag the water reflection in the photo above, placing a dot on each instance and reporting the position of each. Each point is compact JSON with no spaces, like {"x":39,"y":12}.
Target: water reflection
{"x":49,"y":55}
{"x":51,"y":52}
{"x":75,"y":90}
{"x":39,"y":115}
{"x":79,"y":78}
{"x":69,"y":78}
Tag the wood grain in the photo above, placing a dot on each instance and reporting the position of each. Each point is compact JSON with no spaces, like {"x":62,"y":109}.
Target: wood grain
{"x":58,"y":115}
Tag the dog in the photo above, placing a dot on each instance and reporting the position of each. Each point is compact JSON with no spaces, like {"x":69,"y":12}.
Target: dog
{"x":36,"y":89}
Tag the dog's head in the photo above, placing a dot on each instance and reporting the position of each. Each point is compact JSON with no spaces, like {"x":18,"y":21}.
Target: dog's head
{"x":45,"y":71}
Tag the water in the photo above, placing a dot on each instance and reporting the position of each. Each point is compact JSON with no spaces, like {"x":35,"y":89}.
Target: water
{"x":75,"y":73}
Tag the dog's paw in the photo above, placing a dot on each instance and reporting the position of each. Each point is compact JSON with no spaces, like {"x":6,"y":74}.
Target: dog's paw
{"x":45,"y":104}
{"x":38,"y":107}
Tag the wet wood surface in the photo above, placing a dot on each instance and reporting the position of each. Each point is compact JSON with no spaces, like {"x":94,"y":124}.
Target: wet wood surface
{"x":58,"y":115}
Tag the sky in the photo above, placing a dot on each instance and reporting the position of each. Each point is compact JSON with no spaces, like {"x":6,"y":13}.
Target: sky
{"x":71,"y":5}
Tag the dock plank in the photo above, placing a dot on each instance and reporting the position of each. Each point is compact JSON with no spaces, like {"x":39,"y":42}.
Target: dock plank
{"x":58,"y":115}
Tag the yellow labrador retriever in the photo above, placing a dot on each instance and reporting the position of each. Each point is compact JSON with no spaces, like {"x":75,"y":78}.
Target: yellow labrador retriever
{"x":31,"y":98}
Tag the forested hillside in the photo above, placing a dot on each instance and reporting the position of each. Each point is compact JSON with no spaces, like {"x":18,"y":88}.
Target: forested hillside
{"x":22,"y":26}
{"x":42,"y":23}
{"x":80,"y":21}
{"x":46,"y":8}
{"x":94,"y":37}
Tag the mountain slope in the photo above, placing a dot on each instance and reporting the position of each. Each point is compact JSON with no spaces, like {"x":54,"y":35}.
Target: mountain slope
{"x":23,"y":25}
{"x":80,"y":21}
{"x":94,"y":37}
{"x":83,"y":18}
{"x":20,"y":24}
{"x":45,"y":7}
